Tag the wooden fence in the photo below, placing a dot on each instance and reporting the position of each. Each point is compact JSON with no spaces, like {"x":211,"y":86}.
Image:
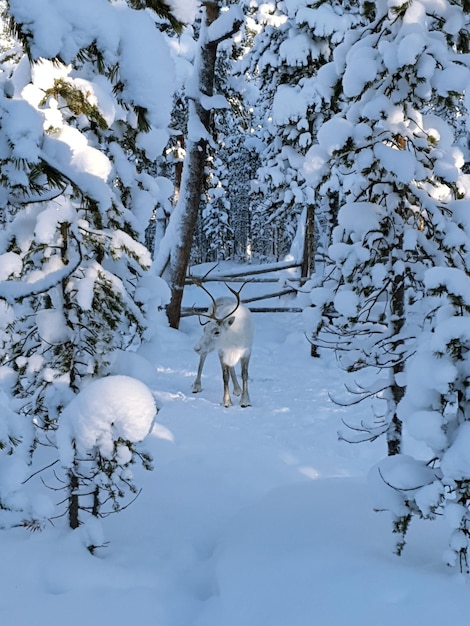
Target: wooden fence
{"x":251,"y":276}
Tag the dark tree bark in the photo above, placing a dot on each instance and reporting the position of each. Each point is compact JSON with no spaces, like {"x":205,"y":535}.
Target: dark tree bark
{"x":196,"y":159}
{"x":195,"y":163}
{"x":74,"y":521}
{"x":308,"y":260}
{"x":397,"y":304}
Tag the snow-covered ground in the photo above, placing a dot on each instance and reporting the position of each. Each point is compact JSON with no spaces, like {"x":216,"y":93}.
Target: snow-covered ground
{"x":252,"y":517}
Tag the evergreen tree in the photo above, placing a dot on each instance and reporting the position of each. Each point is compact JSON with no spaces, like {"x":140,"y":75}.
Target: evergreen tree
{"x":434,"y":410}
{"x":392,"y":163}
{"x":175,"y":251}
{"x":214,"y":235}
{"x":224,"y":224}
{"x":79,"y":134}
{"x":294,"y":41}
{"x":393,"y":300}
{"x":223,"y":219}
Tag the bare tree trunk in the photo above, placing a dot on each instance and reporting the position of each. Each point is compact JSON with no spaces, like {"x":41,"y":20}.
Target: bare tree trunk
{"x":74,"y":522}
{"x":308,"y":261}
{"x":394,"y":433}
{"x":196,"y":160}
{"x":193,"y":176}
{"x":178,"y":171}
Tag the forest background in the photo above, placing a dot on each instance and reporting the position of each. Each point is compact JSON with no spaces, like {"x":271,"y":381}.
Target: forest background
{"x":141,"y":137}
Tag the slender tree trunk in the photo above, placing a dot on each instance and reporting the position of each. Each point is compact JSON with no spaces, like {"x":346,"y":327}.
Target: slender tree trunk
{"x":178,"y":171}
{"x":193,"y":175}
{"x":394,"y":433}
{"x":188,"y":224}
{"x":73,"y":501}
{"x":95,"y":511}
{"x":308,"y":260}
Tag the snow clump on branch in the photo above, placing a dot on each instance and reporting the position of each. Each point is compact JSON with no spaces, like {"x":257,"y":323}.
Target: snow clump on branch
{"x":105,"y":416}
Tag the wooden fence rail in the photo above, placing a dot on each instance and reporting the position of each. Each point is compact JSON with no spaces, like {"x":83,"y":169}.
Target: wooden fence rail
{"x":196,"y":310}
{"x":240,"y":279}
{"x":265,"y":269}
{"x":244,"y":276}
{"x":267,"y":296}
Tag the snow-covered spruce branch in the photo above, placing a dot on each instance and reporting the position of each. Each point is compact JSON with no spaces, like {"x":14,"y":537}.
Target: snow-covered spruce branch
{"x":15,"y":290}
{"x":363,"y":396}
{"x":382,"y":353}
{"x":122,"y":507}
{"x":57,"y":169}
{"x":226,"y":25}
{"x":399,"y":489}
{"x":46,"y":197}
{"x":367,"y":433}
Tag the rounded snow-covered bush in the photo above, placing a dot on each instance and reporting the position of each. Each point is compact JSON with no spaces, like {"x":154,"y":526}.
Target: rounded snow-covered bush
{"x":105,"y":415}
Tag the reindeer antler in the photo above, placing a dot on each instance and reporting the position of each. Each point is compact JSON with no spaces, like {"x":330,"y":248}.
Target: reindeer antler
{"x":237,"y":297}
{"x":213,"y":316}
{"x":199,"y":283}
{"x":214,"y":306}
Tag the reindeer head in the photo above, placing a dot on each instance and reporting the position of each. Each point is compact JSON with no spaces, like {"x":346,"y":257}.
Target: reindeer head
{"x":219,"y":319}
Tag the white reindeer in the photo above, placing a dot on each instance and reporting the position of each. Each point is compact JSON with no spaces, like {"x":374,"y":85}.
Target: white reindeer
{"x":203,"y":350}
{"x":229,"y":330}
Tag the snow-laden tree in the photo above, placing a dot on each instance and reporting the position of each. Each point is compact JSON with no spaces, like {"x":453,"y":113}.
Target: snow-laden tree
{"x":435,"y":412}
{"x":224,"y":228}
{"x":223,"y":214}
{"x":79,"y":134}
{"x":294,"y":41}
{"x":214,"y":235}
{"x":238,"y":159}
{"x":393,"y":165}
{"x":218,"y":23}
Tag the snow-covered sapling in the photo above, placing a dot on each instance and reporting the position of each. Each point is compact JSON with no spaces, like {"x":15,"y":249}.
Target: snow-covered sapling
{"x":98,"y":438}
{"x":229,"y":330}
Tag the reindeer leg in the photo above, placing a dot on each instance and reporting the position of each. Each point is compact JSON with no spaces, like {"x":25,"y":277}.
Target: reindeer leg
{"x":197,"y":387}
{"x":245,"y":399}
{"x":227,"y":401}
{"x":237,"y":391}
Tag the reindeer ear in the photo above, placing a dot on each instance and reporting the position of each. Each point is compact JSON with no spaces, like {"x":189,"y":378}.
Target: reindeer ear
{"x":230,"y":320}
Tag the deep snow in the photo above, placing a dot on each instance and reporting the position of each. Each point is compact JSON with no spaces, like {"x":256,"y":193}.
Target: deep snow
{"x":252,"y":517}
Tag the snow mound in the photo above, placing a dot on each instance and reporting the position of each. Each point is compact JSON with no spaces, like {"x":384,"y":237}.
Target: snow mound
{"x":106,"y":411}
